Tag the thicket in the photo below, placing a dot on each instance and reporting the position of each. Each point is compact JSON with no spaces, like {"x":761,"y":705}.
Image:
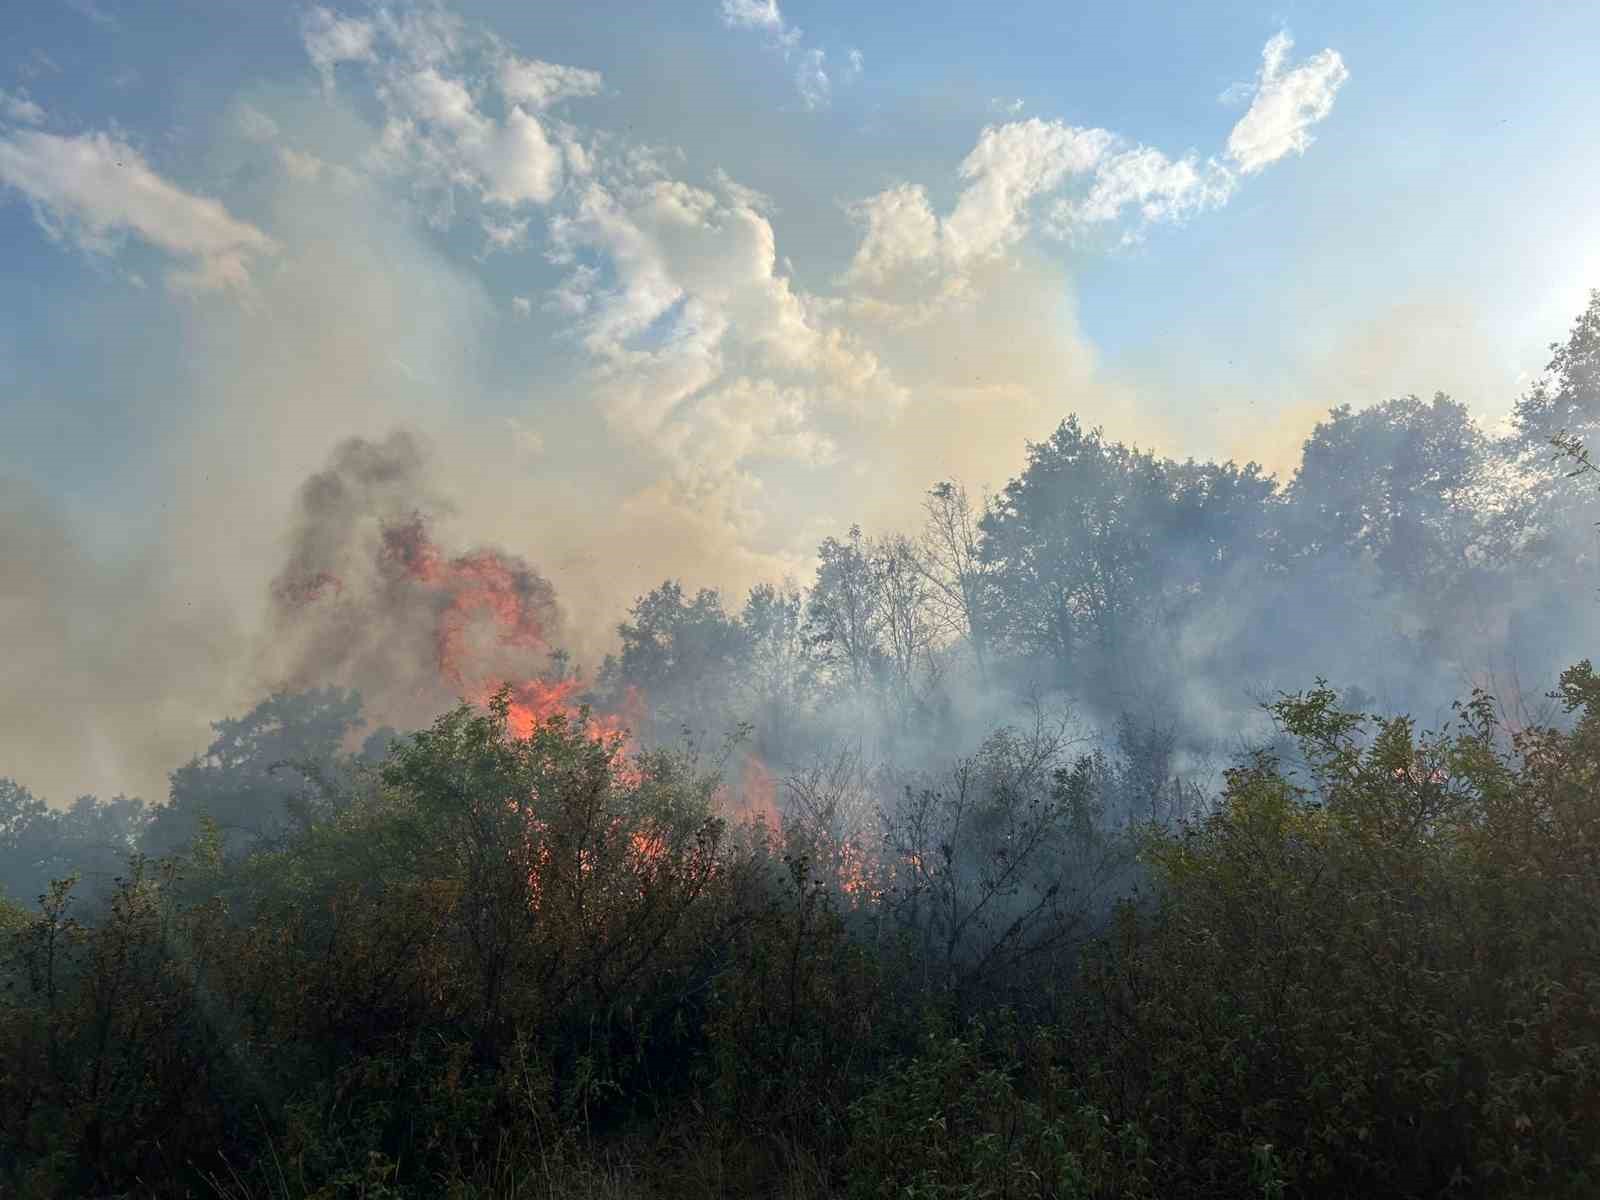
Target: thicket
{"x":502,"y":966}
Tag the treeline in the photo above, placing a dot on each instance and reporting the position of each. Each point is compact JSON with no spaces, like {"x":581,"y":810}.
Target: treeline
{"x":1411,"y":557}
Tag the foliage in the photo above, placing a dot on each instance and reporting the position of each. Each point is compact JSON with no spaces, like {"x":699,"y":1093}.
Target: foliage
{"x":264,"y":774}
{"x":980,"y":1116}
{"x":1385,"y":973}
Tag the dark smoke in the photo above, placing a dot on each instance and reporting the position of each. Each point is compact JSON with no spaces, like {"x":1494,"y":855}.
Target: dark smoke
{"x":368,"y":600}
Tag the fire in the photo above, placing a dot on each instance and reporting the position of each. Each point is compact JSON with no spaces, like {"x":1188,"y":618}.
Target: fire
{"x":758,"y":795}
{"x":853,"y":866}
{"x":483,"y":588}
{"x":488,"y":619}
{"x":492,"y":612}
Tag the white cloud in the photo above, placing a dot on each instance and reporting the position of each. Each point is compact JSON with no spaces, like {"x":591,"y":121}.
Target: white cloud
{"x":93,"y":188}
{"x":427,"y":34}
{"x":437,"y":130}
{"x":521,"y":305}
{"x":304,"y":167}
{"x":753,"y":14}
{"x":541,"y":84}
{"x":575,"y":294}
{"x":330,"y":39}
{"x":1017,"y":162}
{"x":1285,"y":106}
{"x":1011,"y":165}
{"x":694,"y":305}
{"x":901,"y":228}
{"x":504,"y":235}
{"x":1162,"y":189}
{"x":16,"y":106}
{"x":300,"y":165}
{"x":520,"y":164}
{"x":811,"y":78}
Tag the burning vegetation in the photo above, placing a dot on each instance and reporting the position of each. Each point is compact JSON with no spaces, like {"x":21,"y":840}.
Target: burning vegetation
{"x":935,"y":878}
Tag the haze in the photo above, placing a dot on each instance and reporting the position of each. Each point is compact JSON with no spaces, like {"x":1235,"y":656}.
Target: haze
{"x":677,"y":292}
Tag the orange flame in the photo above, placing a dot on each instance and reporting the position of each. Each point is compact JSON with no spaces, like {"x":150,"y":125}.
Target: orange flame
{"x":758,"y":795}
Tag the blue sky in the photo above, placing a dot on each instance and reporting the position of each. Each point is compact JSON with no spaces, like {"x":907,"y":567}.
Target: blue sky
{"x":679,"y":288}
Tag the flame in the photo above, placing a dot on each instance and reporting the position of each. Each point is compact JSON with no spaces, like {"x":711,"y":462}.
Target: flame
{"x":482,"y":589}
{"x":857,"y":871}
{"x":491,"y":624}
{"x":757,"y":799}
{"x":493,"y":609}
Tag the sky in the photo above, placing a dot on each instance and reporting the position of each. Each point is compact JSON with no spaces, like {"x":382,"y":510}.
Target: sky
{"x":678,"y":289}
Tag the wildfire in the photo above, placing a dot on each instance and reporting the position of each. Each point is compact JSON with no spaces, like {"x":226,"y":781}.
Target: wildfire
{"x":758,"y":795}
{"x":484,"y":590}
{"x":486,"y":619}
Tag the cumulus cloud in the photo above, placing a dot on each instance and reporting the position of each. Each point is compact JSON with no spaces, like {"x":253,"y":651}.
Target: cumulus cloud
{"x":1145,"y":179}
{"x":93,"y":188}
{"x":1017,"y":162}
{"x":1011,"y":165}
{"x":541,"y":84}
{"x":438,"y":130}
{"x":696,"y":301}
{"x":1285,"y":105}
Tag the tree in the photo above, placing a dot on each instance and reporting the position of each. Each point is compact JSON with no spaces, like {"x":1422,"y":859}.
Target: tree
{"x":1073,"y":543}
{"x":29,"y":850}
{"x":1223,"y":522}
{"x":1566,"y":398}
{"x":778,"y":668}
{"x":999,"y":861}
{"x":844,"y":613}
{"x":1394,"y":483}
{"x":264,"y":773}
{"x":964,"y":593}
{"x":910,"y":627}
{"x":569,"y":869}
{"x":1561,"y":410}
{"x":682,"y":654}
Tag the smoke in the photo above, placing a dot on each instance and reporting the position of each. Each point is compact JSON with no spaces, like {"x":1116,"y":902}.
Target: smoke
{"x":368,"y":600}
{"x":658,"y":393}
{"x":112,"y":666}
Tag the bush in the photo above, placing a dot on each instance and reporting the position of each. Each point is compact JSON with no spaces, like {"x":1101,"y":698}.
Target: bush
{"x":1391,"y":976}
